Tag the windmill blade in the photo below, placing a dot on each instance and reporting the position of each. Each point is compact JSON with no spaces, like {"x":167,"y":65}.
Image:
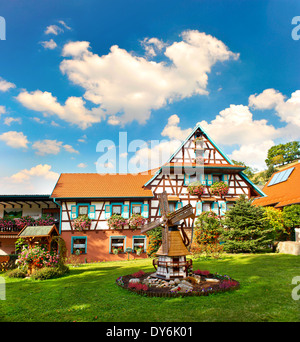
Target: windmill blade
{"x":151,"y":225}
{"x":165,"y":240}
{"x":181,"y":214}
{"x":163,"y":203}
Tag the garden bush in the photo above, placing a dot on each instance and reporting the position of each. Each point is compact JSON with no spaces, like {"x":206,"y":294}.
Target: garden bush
{"x":16,"y":273}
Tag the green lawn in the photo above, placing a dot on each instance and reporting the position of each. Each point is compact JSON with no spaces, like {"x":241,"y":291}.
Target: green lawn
{"x":89,"y":293}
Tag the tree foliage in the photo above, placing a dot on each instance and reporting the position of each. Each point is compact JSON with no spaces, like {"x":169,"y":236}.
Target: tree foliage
{"x":245,"y":228}
{"x":283,"y":153}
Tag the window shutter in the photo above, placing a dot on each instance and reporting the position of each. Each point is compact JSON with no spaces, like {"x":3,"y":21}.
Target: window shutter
{"x":145,"y":210}
{"x":225,"y":179}
{"x":222,"y":206}
{"x":202,"y":179}
{"x":107,"y":211}
{"x":73,"y":211}
{"x":92,"y":212}
{"x":179,"y":205}
{"x":215,"y":208}
{"x":198,"y":208}
{"x":209,"y":179}
{"x":125,"y":211}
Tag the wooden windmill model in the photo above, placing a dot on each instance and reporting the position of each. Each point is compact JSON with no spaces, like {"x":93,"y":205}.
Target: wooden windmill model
{"x":171,"y":262}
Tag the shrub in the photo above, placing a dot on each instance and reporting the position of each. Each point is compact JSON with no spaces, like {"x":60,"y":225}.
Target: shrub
{"x":49,"y":272}
{"x":245,"y":228}
{"x":155,"y":240}
{"x":203,"y":273}
{"x":37,"y":256}
{"x":16,"y":273}
{"x":138,"y":274}
{"x":138,"y":286}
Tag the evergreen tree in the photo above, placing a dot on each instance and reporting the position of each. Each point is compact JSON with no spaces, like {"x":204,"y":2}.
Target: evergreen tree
{"x":246,"y":228}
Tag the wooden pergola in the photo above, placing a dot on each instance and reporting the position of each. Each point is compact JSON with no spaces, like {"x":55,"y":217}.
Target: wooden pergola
{"x":39,"y":234}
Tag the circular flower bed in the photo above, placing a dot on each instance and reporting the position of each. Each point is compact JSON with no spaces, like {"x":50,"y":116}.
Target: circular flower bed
{"x":200,"y":283}
{"x":219,"y":189}
{"x":195,"y":188}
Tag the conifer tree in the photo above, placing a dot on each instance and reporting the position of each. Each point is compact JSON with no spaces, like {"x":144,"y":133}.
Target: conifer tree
{"x":246,"y":228}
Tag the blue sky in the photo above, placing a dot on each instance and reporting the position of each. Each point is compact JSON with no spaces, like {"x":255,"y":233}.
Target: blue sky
{"x":75,"y":73}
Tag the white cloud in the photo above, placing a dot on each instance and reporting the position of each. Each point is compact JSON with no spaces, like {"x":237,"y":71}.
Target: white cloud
{"x":235,"y":125}
{"x":72,"y":111}
{"x":9,"y":120}
{"x":49,"y":44}
{"x":253,"y":154}
{"x":37,"y":180}
{"x":173,"y":131}
{"x":53,"y":29}
{"x":64,"y":25}
{"x":2,"y":110}
{"x":5,"y":86}
{"x":287,"y":109}
{"x":82,"y":165}
{"x":128,"y":87}
{"x":47,"y":146}
{"x":14,"y":139}
{"x":152,"y":46}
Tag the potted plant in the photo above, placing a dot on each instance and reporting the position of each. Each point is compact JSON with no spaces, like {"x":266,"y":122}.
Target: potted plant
{"x":81,"y":223}
{"x":219,"y":189}
{"x":195,"y":189}
{"x":139,"y":250}
{"x":116,"y":222}
{"x":117,"y":250}
{"x":136,"y":220}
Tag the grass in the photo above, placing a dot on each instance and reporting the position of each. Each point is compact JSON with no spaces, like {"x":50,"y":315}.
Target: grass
{"x":89,"y":293}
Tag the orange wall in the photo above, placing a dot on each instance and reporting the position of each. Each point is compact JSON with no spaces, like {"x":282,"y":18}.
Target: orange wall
{"x":98,"y":244}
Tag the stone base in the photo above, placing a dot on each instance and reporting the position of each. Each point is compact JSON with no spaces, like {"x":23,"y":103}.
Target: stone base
{"x":289,"y":247}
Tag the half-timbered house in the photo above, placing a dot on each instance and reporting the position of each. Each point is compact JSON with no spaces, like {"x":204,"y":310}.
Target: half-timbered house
{"x":101,"y":196}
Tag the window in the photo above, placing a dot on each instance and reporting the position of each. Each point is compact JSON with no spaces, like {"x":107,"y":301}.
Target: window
{"x":83,"y":210}
{"x":79,"y":245}
{"x":281,"y":176}
{"x":116,"y":209}
{"x":206,"y":207}
{"x":217,"y":178}
{"x":117,"y":242}
{"x":136,"y":209}
{"x":139,"y":242}
{"x":172,"y":206}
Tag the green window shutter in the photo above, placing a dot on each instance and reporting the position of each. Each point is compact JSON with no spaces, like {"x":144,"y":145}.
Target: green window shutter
{"x":145,"y":210}
{"x":107,"y":211}
{"x":73,"y":211}
{"x":198,"y":208}
{"x":92,"y":212}
{"x":125,"y":211}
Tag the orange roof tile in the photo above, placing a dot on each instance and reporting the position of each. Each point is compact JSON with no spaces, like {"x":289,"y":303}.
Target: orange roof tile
{"x":94,"y":185}
{"x":284,"y":193}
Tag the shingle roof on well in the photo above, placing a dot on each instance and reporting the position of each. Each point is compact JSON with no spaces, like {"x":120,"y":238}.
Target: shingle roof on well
{"x":94,"y":185}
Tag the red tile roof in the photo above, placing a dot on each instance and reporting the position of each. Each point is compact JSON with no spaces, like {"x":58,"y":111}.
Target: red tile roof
{"x":284,"y":193}
{"x":94,"y":185}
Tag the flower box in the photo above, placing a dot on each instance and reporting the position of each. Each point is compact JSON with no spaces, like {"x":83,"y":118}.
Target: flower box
{"x":219,"y":189}
{"x":136,"y":221}
{"x":195,"y":189}
{"x":116,"y":222}
{"x":81,"y":223}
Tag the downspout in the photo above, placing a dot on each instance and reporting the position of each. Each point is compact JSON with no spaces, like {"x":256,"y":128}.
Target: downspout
{"x":54,"y":200}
